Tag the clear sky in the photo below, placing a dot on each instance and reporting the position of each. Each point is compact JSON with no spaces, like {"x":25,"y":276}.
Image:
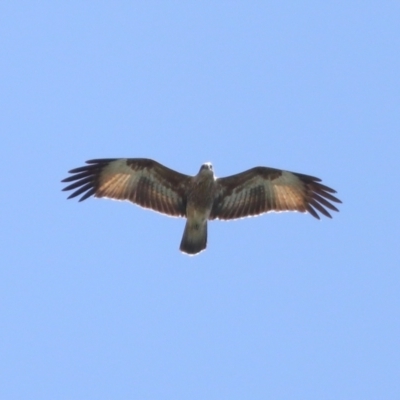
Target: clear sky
{"x":97,"y":302}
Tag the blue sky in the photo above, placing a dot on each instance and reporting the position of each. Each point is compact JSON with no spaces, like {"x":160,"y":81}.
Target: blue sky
{"x":97,"y":302}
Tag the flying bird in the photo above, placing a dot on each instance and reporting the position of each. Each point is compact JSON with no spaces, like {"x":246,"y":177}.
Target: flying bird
{"x":202,"y":197}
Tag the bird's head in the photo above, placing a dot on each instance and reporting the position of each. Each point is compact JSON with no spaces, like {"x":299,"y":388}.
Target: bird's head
{"x":206,"y":168}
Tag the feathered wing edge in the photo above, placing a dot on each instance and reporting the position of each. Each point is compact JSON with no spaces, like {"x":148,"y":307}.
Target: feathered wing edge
{"x":260,"y":190}
{"x":318,"y":197}
{"x":142,"y":181}
{"x":86,"y":178}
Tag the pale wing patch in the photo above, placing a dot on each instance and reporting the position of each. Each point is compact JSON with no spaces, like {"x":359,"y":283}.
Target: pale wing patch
{"x":117,"y":181}
{"x":289,"y":193}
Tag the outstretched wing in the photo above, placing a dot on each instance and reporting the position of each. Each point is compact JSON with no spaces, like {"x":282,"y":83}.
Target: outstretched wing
{"x":262,"y":189}
{"x":142,"y":181}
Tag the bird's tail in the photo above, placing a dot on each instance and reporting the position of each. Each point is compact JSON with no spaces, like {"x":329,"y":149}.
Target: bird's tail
{"x":194,"y":238}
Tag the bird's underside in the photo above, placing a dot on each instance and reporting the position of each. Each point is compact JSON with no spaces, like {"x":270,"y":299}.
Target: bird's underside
{"x":202,"y":197}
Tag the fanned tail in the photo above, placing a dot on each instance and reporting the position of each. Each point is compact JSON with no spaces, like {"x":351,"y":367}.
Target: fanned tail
{"x":194,"y":238}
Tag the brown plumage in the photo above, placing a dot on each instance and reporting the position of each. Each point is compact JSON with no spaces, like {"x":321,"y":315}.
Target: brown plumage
{"x":202,"y":197}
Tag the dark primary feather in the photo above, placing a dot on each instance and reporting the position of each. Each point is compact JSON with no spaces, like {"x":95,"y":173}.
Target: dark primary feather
{"x":262,"y":189}
{"x":142,"y":181}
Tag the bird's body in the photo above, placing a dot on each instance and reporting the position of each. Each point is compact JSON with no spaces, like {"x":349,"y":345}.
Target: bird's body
{"x":201,"y":197}
{"x":200,"y":200}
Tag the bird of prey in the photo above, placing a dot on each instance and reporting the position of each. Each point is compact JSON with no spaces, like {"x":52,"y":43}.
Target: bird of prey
{"x":202,"y":197}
